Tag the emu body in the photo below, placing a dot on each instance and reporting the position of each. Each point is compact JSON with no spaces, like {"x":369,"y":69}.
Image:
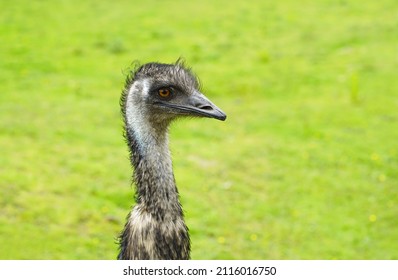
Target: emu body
{"x":155,"y":95}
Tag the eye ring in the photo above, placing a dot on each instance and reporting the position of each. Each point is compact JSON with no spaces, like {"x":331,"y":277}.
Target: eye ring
{"x":164,"y":92}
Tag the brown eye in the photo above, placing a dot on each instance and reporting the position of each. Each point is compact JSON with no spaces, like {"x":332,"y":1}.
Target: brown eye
{"x":164,"y":92}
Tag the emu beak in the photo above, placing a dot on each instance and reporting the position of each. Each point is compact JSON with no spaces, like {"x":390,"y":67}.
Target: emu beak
{"x":198,"y":104}
{"x":195,"y":104}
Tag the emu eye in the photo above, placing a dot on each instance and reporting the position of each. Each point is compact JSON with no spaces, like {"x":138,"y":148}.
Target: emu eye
{"x":164,"y":92}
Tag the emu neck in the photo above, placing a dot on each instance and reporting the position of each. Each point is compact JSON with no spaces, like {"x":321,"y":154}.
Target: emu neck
{"x":155,"y":228}
{"x":153,"y":173}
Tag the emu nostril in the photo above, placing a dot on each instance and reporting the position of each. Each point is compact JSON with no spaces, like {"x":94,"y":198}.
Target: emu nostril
{"x":205,"y":107}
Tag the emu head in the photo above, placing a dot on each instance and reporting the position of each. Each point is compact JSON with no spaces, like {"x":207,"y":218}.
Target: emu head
{"x":155,"y":94}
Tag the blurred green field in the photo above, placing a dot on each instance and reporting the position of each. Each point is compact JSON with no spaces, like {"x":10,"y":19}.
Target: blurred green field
{"x":305,"y":167}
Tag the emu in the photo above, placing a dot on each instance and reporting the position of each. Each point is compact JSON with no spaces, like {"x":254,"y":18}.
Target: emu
{"x":155,"y":94}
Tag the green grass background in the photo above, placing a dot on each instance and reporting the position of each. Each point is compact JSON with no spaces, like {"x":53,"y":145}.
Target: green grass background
{"x":305,"y":167}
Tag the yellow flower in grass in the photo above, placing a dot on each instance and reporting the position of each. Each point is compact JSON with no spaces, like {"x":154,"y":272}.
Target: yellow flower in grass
{"x":253,"y":237}
{"x":382,"y":178}
{"x":375,"y":157}
{"x":372,"y":218}
{"x":221,"y":240}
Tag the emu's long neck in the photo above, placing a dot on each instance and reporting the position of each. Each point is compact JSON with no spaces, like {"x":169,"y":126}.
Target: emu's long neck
{"x":153,"y":173}
{"x":155,"y":228}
